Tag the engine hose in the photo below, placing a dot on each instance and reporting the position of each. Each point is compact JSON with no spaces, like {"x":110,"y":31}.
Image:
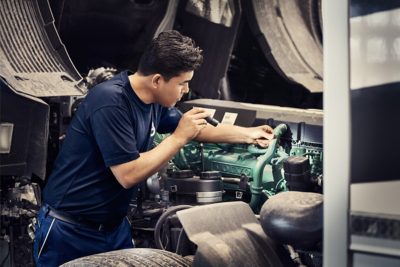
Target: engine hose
{"x":262,"y":161}
{"x":161,"y":221}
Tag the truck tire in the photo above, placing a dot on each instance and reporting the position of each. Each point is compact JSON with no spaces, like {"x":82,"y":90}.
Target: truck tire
{"x":143,"y":257}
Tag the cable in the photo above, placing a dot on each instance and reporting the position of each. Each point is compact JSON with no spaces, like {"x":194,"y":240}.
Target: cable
{"x":178,"y":243}
{"x":279,"y":183}
{"x":161,"y":221}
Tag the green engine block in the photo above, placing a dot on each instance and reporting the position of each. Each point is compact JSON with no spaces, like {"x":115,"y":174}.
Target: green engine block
{"x":262,"y":167}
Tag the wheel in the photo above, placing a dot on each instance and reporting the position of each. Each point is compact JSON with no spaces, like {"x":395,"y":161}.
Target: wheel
{"x":143,"y":257}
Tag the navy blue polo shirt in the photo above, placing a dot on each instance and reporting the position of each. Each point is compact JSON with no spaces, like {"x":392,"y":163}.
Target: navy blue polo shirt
{"x":112,"y":126}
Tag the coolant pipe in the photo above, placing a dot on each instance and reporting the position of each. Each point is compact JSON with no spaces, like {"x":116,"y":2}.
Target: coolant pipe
{"x":262,"y":161}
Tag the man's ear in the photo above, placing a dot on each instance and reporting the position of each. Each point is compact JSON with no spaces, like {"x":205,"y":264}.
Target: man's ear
{"x":156,"y":80}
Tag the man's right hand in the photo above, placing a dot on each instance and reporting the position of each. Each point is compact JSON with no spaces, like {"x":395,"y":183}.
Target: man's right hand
{"x":190,"y":125}
{"x":133,"y":172}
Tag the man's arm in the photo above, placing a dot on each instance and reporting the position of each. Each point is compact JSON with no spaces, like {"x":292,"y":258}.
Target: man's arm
{"x":226,"y":133}
{"x":135,"y":171}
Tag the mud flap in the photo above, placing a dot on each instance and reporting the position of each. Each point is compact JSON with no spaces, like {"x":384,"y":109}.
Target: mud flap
{"x":229,"y":234}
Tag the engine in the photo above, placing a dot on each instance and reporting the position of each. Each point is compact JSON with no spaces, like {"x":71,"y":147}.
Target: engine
{"x":247,"y":172}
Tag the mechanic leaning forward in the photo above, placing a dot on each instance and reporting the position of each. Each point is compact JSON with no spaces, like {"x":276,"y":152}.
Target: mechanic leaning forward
{"x":106,"y":152}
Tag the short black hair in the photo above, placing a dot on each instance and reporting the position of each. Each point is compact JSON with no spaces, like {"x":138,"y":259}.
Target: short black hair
{"x":170,"y":54}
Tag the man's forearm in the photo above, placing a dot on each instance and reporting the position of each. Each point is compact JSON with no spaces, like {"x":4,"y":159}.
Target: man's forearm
{"x":224,"y":133}
{"x":135,"y":171}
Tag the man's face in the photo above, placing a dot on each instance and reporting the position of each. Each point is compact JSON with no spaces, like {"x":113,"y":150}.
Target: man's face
{"x":171,"y":91}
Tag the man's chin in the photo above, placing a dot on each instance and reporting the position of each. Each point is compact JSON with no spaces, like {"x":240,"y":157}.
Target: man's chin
{"x":169,"y":105}
{"x":173,"y":105}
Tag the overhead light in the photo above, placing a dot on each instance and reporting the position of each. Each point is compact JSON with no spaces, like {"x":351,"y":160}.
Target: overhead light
{"x":6,"y":131}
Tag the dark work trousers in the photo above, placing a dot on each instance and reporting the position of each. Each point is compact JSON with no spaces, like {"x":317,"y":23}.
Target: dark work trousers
{"x":57,"y":242}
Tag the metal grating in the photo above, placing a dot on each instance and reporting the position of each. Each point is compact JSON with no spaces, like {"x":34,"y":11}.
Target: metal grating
{"x":32,"y":58}
{"x":24,"y":41}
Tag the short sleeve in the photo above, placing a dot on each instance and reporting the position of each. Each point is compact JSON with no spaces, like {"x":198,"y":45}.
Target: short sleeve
{"x":114,"y":135}
{"x":169,"y":120}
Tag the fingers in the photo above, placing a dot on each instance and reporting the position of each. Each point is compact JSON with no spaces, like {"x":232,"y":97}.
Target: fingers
{"x":267,"y":128}
{"x":194,"y":111}
{"x":267,"y":132}
{"x":191,"y":124}
{"x":200,"y":121}
{"x":261,"y":135}
{"x":197,"y":113}
{"x":268,"y":136}
{"x":195,"y":118}
{"x":262,"y":142}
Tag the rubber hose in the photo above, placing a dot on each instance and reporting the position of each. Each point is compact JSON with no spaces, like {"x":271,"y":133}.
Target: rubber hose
{"x":161,"y":221}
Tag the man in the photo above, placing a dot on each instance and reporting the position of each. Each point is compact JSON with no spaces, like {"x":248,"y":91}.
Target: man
{"x":107,"y":151}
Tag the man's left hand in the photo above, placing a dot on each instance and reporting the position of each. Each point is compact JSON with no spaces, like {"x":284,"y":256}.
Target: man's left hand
{"x":261,"y":135}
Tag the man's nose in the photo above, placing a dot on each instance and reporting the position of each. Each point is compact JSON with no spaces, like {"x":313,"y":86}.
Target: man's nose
{"x":186,"y":89}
